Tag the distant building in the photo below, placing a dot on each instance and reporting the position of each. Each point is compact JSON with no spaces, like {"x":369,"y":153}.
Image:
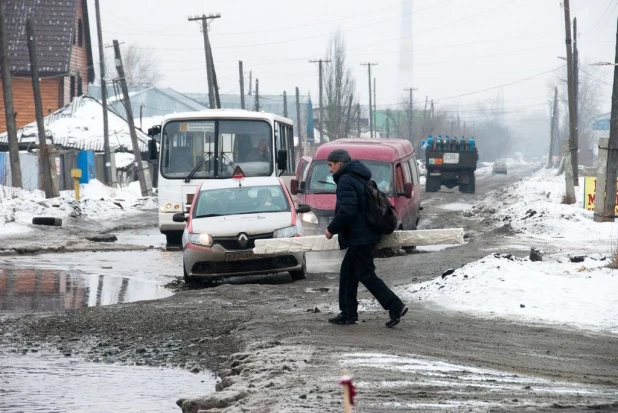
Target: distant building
{"x":64,"y":54}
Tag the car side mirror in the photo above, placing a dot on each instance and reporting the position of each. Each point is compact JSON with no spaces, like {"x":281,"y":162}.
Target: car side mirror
{"x":179,"y":217}
{"x":282,"y":159}
{"x":408,"y":188}
{"x":303,"y":209}
{"x":302,"y":186}
{"x":294,"y":186}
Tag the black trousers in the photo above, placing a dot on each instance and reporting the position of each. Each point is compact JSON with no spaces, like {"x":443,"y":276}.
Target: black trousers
{"x":358,"y":266}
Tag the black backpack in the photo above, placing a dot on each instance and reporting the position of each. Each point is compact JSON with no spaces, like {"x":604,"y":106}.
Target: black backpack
{"x":379,"y":212}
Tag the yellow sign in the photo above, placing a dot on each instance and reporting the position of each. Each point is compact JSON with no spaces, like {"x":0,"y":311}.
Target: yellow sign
{"x":590,"y":187}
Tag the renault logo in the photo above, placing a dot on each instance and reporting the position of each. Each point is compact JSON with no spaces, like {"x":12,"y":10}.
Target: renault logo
{"x":243,"y":239}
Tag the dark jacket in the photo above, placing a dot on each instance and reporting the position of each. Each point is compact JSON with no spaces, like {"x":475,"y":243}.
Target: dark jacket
{"x":349,"y":221}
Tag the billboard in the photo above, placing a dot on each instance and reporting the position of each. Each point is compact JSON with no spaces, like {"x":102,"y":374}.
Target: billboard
{"x":590,"y":187}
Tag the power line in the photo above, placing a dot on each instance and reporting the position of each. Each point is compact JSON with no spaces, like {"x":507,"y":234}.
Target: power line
{"x":499,"y":86}
{"x":312,"y":36}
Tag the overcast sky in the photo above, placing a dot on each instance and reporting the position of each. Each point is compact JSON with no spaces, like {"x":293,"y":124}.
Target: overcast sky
{"x":448,"y":49}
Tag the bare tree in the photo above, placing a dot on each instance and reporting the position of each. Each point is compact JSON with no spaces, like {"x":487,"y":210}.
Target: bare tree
{"x":141,"y":65}
{"x":590,"y":98}
{"x":340,"y":90}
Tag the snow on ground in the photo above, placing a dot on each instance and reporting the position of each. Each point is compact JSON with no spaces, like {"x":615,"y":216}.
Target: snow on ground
{"x":553,"y":291}
{"x":581,"y":294}
{"x":533,"y":207}
{"x":18,"y":207}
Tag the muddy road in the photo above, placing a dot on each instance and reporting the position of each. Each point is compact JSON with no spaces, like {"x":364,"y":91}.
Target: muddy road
{"x":268,"y":342}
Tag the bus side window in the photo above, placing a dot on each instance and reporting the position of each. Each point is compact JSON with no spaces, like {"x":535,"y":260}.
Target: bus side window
{"x":291,"y":149}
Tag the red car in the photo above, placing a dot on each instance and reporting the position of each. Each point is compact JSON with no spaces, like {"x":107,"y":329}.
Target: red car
{"x":393,"y":167}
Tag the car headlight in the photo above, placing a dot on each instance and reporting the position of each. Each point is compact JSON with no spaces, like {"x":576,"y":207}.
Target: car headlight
{"x":309,"y":217}
{"x":204,"y":240}
{"x":287,"y":232}
{"x":170,"y":206}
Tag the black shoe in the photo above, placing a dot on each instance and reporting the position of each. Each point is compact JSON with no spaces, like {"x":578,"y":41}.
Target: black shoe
{"x":396,"y":315}
{"x":341,"y":319}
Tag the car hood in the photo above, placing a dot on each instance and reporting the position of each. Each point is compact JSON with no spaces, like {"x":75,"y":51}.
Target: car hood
{"x":250,"y":224}
{"x":325,"y":202}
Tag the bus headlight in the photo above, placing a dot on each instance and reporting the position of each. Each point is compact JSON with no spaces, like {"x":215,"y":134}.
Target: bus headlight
{"x":287,"y":232}
{"x":170,"y":206}
{"x":204,"y":240}
{"x":309,"y":217}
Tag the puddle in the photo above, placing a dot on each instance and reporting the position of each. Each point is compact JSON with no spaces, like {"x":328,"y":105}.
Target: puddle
{"x":150,"y":236}
{"x":85,"y":279}
{"x":52,"y":383}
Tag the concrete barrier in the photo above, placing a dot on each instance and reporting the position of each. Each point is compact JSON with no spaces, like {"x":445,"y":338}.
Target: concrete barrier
{"x":397,"y":239}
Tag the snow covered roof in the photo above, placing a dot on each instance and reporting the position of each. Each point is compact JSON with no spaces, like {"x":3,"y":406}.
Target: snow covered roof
{"x":148,"y":101}
{"x":80,"y":125}
{"x":54,"y":24}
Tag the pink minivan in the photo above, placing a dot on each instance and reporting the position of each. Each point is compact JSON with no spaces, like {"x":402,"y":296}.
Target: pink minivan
{"x":393,"y":167}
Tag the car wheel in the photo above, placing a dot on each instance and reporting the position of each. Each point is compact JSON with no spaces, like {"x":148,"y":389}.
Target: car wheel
{"x":186,"y":276}
{"x":300,"y":274}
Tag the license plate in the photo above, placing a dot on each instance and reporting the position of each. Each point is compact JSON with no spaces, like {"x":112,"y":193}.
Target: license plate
{"x":239,"y":256}
{"x":451,"y":158}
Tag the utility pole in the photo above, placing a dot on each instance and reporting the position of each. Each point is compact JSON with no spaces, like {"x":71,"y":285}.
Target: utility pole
{"x":576,"y":93}
{"x":250,"y":81}
{"x":388,"y":126}
{"x":572,"y":156}
{"x":285,"y":104}
{"x":375,"y":107}
{"x":127,"y":106}
{"x":241,"y":78}
{"x":107,"y":156}
{"x":9,"y":110}
{"x":553,"y":129}
{"x":45,"y":179}
{"x":257,"y":95}
{"x":209,"y":64}
{"x":370,"y":104}
{"x":320,"y":112}
{"x":358,"y":120}
{"x":298,"y":126}
{"x":606,"y":194}
{"x":410,"y":133}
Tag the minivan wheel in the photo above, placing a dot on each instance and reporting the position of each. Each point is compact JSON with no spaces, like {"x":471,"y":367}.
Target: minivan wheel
{"x":300,"y":274}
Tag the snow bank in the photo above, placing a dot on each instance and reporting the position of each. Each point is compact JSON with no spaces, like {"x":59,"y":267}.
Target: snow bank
{"x":18,"y":207}
{"x":581,"y":294}
{"x":533,"y":207}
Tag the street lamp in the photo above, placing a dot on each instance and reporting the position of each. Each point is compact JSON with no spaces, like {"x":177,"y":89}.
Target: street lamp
{"x":603,"y":64}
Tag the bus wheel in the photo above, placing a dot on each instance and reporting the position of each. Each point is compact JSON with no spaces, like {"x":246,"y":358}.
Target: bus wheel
{"x":174,"y":238}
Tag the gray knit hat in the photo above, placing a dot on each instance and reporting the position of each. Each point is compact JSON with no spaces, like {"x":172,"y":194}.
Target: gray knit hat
{"x":339,"y":155}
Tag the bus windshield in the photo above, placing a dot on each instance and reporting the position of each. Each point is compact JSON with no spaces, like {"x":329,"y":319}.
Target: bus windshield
{"x":321,"y":180}
{"x":218,"y":145}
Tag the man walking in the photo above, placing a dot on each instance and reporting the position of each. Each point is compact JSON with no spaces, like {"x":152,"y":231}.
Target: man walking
{"x":359,"y":239}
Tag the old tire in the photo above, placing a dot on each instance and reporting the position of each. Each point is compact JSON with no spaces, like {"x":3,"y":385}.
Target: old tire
{"x":49,"y":221}
{"x":300,"y":274}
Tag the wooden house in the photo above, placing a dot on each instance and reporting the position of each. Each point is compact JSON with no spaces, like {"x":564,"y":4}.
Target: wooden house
{"x":64,"y":54}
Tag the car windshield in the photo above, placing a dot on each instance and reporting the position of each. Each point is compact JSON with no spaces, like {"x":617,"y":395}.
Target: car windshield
{"x":241,"y":200}
{"x":320,"y":180}
{"x":187,"y":144}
